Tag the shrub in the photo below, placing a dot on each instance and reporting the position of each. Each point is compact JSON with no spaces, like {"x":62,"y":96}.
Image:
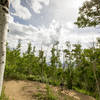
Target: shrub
{"x":49,"y":94}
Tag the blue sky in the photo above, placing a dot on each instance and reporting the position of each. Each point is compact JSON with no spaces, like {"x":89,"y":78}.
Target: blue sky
{"x":43,"y":22}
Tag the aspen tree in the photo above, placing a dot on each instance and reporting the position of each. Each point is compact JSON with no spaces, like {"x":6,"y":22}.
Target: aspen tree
{"x":4,"y":11}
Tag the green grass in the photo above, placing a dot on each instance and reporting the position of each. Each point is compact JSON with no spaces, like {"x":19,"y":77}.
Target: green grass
{"x":48,"y":95}
{"x":3,"y":96}
{"x":82,"y":91}
{"x":52,"y":95}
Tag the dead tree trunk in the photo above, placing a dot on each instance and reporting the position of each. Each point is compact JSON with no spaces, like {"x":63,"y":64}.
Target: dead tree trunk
{"x":3,"y":35}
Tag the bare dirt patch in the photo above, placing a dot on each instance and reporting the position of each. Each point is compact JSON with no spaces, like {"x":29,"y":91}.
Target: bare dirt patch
{"x":27,"y":90}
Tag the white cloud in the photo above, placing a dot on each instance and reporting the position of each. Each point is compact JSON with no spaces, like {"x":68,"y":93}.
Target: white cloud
{"x":37,"y":5}
{"x":10,"y":19}
{"x":61,"y":29}
{"x":20,"y":10}
{"x":23,"y":12}
{"x":42,"y":35}
{"x":65,"y":10}
{"x":70,"y":25}
{"x":47,"y":36}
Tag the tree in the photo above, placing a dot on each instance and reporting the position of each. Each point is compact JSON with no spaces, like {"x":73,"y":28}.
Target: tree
{"x":4,"y":6}
{"x":55,"y":59}
{"x":89,"y":14}
{"x":42,"y":63}
{"x":29,"y":49}
{"x":94,"y":66}
{"x":69,"y":63}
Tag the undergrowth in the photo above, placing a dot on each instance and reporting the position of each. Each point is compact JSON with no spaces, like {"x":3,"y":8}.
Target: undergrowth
{"x":3,"y":96}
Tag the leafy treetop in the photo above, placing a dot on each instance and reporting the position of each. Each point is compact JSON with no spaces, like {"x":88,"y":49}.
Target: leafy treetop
{"x":89,"y":14}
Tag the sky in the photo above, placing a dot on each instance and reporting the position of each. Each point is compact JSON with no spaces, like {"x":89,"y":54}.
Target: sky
{"x":42,"y":22}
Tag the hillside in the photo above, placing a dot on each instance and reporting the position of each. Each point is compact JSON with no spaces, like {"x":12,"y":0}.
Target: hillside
{"x":27,"y":90}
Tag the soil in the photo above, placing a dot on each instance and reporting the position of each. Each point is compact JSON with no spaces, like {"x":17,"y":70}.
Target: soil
{"x":28,"y":90}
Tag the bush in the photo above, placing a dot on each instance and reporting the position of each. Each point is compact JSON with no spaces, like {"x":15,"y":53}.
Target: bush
{"x":34,"y":78}
{"x":82,"y":91}
{"x":16,"y":76}
{"x":49,"y":94}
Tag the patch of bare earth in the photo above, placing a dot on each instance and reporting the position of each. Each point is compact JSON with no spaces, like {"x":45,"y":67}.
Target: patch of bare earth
{"x":27,"y":90}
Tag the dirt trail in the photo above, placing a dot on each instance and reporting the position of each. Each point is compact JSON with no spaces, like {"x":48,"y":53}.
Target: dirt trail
{"x":27,"y":90}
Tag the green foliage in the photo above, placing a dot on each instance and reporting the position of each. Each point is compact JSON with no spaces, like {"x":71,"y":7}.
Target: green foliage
{"x":82,"y":91}
{"x":89,"y":14}
{"x":49,"y":94}
{"x":3,"y":96}
{"x":75,"y":71}
{"x":69,"y":62}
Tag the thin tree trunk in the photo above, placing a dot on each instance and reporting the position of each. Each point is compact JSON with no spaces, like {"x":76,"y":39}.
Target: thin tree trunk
{"x":3,"y":35}
{"x":97,"y":83}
